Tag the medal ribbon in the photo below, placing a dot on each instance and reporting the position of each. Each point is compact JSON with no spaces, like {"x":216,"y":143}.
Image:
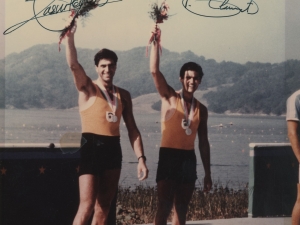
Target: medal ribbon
{"x":187,"y":116}
{"x":112,"y":103}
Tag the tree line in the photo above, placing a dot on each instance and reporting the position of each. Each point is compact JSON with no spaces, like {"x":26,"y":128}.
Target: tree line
{"x":39,"y":77}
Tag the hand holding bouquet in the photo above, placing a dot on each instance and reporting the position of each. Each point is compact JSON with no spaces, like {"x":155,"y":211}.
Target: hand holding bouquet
{"x":83,"y":11}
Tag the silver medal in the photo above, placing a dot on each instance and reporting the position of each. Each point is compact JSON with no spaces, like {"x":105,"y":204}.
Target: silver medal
{"x":115,"y":118}
{"x":188,"y":131}
{"x":110,"y":117}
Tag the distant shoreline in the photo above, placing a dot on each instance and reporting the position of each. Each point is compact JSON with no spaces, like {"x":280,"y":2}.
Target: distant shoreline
{"x":143,"y":104}
{"x":140,"y":110}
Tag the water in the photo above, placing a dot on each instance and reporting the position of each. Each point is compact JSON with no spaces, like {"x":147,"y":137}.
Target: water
{"x":229,"y":143}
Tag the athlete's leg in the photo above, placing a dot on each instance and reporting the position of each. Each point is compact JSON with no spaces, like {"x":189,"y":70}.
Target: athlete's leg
{"x":165,"y":194}
{"x":111,"y":218}
{"x":87,"y":197}
{"x":108,"y":184}
{"x":296,"y":209}
{"x":182,"y":198}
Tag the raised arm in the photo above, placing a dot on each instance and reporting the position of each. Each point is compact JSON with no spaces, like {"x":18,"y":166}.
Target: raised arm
{"x":134,"y":134}
{"x":204,"y":147}
{"x":82,"y":82}
{"x":160,"y":82}
{"x":292,"y":127}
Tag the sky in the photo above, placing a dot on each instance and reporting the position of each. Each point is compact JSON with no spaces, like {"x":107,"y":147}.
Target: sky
{"x":267,"y":32}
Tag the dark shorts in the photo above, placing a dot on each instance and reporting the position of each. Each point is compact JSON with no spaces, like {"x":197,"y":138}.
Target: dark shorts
{"x":178,"y":165}
{"x":99,"y":153}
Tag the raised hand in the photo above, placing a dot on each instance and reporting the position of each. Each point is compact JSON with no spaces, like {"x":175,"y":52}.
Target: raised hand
{"x":155,"y":34}
{"x":72,"y":24}
{"x":70,"y":27}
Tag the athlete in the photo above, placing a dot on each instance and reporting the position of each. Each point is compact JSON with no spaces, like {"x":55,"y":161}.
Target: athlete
{"x":182,"y":118}
{"x":101,"y":106}
{"x":293,"y":118}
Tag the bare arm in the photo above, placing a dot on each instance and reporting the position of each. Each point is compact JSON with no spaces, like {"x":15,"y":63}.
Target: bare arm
{"x":204,"y":147}
{"x":133,"y":133}
{"x":82,"y":82}
{"x":160,"y":82}
{"x":292,"y":127}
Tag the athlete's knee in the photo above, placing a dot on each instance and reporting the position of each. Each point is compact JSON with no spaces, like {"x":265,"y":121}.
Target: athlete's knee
{"x":86,"y":206}
{"x":101,"y":212}
{"x":298,"y":194}
{"x":103,"y":207}
{"x":298,"y":200}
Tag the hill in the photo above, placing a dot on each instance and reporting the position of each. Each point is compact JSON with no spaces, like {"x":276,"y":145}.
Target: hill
{"x":40,"y":78}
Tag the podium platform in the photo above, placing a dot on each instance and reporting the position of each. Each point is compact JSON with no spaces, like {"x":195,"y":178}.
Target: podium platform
{"x":39,"y":184}
{"x":273,"y":177}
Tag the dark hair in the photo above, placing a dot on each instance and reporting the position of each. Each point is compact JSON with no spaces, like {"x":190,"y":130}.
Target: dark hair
{"x":191,"y":66}
{"x":105,"y":54}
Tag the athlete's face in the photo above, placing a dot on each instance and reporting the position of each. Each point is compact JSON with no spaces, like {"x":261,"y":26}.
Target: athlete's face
{"x":106,"y":69}
{"x":191,"y":81}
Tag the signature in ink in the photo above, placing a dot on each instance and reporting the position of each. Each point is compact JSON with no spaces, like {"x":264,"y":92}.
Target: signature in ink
{"x":40,"y":14}
{"x":220,"y":8}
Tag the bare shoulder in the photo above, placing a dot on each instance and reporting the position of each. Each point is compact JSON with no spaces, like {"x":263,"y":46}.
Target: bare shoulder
{"x":172,"y":92}
{"x":125,"y":98}
{"x":87,"y":96}
{"x":124,"y":93}
{"x":171,"y":99}
{"x":89,"y":89}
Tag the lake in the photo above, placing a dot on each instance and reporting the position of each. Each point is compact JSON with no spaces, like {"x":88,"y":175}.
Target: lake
{"x":229,"y":137}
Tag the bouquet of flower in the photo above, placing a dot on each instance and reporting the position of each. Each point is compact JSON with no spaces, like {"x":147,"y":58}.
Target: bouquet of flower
{"x":158,"y":14}
{"x":83,"y":11}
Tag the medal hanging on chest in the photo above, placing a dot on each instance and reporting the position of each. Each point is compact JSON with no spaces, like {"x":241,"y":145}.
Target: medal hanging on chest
{"x":113,"y":104}
{"x":186,"y":122}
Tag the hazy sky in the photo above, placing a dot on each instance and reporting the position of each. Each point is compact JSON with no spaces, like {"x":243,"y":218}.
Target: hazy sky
{"x":270,"y":35}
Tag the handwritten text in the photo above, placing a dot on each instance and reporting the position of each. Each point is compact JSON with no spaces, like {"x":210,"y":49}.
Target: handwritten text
{"x":52,"y":9}
{"x":220,"y":8}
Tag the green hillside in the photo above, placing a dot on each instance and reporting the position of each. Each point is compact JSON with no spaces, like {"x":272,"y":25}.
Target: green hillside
{"x":40,"y":78}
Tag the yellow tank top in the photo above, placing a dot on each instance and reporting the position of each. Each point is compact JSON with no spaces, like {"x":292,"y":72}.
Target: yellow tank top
{"x":173,"y":135}
{"x":94,"y":119}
